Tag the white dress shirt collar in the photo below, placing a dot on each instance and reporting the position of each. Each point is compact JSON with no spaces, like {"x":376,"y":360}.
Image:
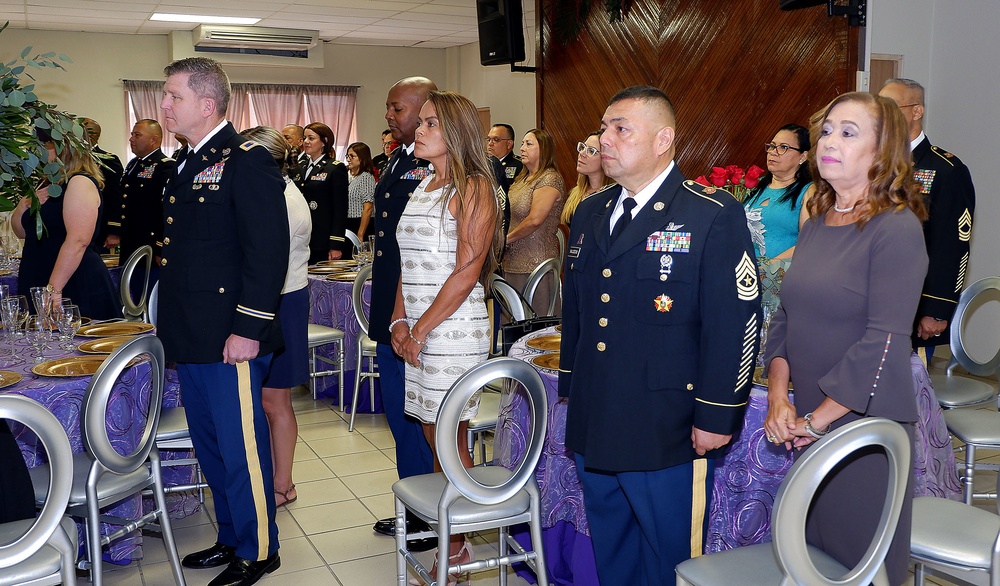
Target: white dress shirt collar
{"x":641,"y":198}
{"x":920,"y":138}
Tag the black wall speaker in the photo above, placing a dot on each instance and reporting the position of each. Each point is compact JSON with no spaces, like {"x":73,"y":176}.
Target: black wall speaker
{"x":501,"y":38}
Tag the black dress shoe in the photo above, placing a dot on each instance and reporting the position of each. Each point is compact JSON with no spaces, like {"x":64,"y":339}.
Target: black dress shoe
{"x":213,"y":557}
{"x":413,"y":525}
{"x":243,"y":572}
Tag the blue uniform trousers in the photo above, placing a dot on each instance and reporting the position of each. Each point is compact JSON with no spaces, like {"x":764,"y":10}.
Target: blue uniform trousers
{"x":413,"y":454}
{"x":233,"y":444}
{"x":641,"y":522}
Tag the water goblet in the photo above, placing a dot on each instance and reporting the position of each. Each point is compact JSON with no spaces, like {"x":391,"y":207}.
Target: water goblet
{"x":38,"y":332}
{"x":42,"y":300}
{"x":11,"y":321}
{"x":21,"y":304}
{"x":68,"y":320}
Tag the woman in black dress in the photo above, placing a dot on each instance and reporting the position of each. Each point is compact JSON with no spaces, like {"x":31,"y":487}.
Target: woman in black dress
{"x":62,"y":258}
{"x":322,"y":179}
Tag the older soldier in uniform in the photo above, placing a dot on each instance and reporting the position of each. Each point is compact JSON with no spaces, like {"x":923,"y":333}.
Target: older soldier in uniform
{"x":500,"y":144}
{"x":140,"y":219}
{"x":661,"y":313}
{"x":225,"y":253}
{"x":402,"y":174}
{"x":951,"y":203}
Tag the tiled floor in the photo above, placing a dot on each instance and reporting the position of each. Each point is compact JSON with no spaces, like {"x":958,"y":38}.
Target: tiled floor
{"x":344,"y":482}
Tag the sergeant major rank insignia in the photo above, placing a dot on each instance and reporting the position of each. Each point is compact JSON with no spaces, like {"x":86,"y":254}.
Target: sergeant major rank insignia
{"x":746,"y":279}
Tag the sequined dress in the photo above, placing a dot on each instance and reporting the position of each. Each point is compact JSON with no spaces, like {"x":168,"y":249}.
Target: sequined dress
{"x":428,"y":240}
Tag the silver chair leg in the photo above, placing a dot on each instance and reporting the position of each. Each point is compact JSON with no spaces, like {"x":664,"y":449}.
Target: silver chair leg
{"x":502,"y":549}
{"x":312,"y":370}
{"x":340,"y":372}
{"x":970,"y":467}
{"x":93,"y":529}
{"x":400,"y":543}
{"x":535,"y":523}
{"x":166,"y":530}
{"x":357,"y":389}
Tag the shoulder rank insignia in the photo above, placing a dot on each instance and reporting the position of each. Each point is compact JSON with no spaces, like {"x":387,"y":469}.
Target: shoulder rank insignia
{"x":943,"y":154}
{"x":746,"y":279}
{"x":248,"y":145}
{"x":965,"y":226}
{"x":708,"y":193}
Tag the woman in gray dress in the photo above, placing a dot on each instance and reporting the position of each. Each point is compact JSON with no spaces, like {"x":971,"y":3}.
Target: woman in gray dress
{"x":842,"y":330}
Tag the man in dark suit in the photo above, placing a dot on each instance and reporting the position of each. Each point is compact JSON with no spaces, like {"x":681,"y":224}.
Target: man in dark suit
{"x":951,"y":203}
{"x":140,"y":219}
{"x":402,"y":174}
{"x":500,"y":144}
{"x":111,"y":195}
{"x":225,"y":253}
{"x":661,"y":315}
{"x":380,"y":160}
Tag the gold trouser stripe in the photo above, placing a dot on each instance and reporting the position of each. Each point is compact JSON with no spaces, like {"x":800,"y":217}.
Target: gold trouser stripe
{"x":922,"y":353}
{"x":253,"y":462}
{"x":699,"y":472}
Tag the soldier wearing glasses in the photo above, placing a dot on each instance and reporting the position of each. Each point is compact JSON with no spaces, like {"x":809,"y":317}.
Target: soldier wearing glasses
{"x":500,"y":144}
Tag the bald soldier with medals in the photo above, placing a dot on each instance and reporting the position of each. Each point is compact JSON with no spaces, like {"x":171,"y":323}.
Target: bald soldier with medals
{"x":661,"y":316}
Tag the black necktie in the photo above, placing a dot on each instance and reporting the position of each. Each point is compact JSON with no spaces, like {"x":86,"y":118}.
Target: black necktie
{"x":628,"y":205}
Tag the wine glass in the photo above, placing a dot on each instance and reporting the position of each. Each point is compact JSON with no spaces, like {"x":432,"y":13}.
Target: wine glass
{"x":11,"y":320}
{"x":38,"y":335}
{"x":68,"y":320}
{"x":42,"y":300}
{"x":20,"y":303}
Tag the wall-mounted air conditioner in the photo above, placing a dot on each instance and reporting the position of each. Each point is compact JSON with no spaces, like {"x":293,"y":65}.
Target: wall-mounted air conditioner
{"x":183,"y":44}
{"x":252,"y":37}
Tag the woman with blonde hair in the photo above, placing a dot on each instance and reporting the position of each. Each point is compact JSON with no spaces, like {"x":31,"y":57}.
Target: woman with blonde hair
{"x":590,"y":178}
{"x":536,"y":201}
{"x":449,"y":240}
{"x":842,"y":330}
{"x":61,"y":258}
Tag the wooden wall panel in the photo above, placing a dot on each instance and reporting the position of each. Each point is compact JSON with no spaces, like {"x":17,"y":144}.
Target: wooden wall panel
{"x":736,"y":70}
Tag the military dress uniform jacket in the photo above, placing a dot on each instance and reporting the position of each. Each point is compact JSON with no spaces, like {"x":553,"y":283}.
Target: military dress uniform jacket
{"x":951,"y":203}
{"x":660,"y":329}
{"x":140,"y":216}
{"x":391,"y":195}
{"x":511,"y":167}
{"x":111,"y":195}
{"x":225,"y":250}
{"x":325,"y":190}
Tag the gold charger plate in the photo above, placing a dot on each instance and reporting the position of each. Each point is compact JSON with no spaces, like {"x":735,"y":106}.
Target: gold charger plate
{"x":342,"y":276}
{"x":69,"y":366}
{"x":760,"y":380}
{"x":550,"y":342}
{"x":548,"y":361}
{"x":327,"y":270}
{"x":9,"y":377}
{"x":6,"y":272}
{"x":118,"y":328}
{"x":337,"y":263}
{"x":103,"y":345}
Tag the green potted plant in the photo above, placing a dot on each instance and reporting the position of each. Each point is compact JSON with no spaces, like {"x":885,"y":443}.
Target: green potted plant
{"x":24,"y":161}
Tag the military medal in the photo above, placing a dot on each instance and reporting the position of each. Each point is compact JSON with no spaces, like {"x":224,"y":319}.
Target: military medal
{"x":666,"y":263}
{"x":663,"y":303}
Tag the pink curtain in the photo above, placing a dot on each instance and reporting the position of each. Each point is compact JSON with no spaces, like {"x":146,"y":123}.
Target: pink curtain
{"x":277,"y":106}
{"x":143,"y":99}
{"x":239,"y":112}
{"x":335,"y":106}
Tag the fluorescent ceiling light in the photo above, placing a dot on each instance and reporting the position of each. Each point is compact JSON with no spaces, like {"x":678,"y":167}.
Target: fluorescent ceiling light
{"x":203,"y":19}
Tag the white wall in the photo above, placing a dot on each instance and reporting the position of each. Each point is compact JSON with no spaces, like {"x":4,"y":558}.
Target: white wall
{"x":92,"y":87}
{"x":948,"y":46}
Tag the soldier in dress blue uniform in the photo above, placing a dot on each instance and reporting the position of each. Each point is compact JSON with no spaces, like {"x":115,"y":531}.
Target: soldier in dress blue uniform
{"x":500,"y":144}
{"x":402,"y":174}
{"x":140,"y":218}
{"x":661,"y":314}
{"x":224,"y":258}
{"x":951,"y":202}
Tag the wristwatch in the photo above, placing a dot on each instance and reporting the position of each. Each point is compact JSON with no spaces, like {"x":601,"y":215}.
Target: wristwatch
{"x":50,"y":289}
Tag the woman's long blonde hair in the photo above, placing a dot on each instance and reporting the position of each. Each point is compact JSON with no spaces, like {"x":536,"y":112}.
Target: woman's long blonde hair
{"x":467,"y":164}
{"x":576,"y":195}
{"x":78,"y":161}
{"x":891,"y":184}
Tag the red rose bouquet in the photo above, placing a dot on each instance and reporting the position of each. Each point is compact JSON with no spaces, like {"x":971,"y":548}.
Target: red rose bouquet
{"x":733,"y":179}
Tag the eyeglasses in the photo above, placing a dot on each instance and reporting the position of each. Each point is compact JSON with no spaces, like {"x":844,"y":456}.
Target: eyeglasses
{"x":901,"y":106}
{"x":780,"y":149}
{"x":351,"y":156}
{"x":493,"y":139}
{"x":586,"y":148}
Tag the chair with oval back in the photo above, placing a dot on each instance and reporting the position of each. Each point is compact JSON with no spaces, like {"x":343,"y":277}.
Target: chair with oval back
{"x":549,"y":266}
{"x":350,"y":235}
{"x":136,"y":310}
{"x":366,"y":346}
{"x":789,"y":560}
{"x":41,"y":550}
{"x":101,"y":475}
{"x":462,"y":500}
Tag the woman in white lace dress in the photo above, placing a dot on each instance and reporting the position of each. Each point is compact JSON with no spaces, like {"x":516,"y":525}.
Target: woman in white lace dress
{"x":449,"y":239}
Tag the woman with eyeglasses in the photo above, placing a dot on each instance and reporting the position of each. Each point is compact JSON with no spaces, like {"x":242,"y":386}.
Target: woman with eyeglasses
{"x":536,"y":201}
{"x":590,"y":177}
{"x":360,"y":189}
{"x":774,"y":208}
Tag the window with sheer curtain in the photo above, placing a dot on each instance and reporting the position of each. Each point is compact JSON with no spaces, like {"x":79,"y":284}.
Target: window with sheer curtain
{"x":254,"y":104}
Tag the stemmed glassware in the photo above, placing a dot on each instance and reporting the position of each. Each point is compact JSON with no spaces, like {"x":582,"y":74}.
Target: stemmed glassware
{"x":11,"y":319}
{"x":43,"y":303}
{"x":38,"y":335}
{"x":68,"y":320}
{"x":19,"y":308}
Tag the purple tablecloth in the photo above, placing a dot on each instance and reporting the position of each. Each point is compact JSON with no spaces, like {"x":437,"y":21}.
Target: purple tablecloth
{"x":748,"y":476}
{"x":126,"y":420}
{"x":565,"y":532}
{"x":330,"y":305}
{"x":10,"y":278}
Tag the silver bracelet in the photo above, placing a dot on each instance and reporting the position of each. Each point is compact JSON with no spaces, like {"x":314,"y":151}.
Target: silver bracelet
{"x":812,"y":430}
{"x":416,"y":341}
{"x":393,"y":323}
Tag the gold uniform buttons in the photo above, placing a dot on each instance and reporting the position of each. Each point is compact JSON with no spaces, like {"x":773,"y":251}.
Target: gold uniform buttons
{"x":379,"y":253}
{"x":166,"y":241}
{"x":381,"y":233}
{"x":603,"y":322}
{"x":663,"y":277}
{"x":172,"y":199}
{"x":601,"y":346}
{"x":170,"y":220}
{"x":690,"y":387}
{"x":222,"y":289}
{"x":606,"y":273}
{"x":201,"y":200}
{"x":163,"y":262}
{"x":385,"y":214}
{"x":605,"y":297}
